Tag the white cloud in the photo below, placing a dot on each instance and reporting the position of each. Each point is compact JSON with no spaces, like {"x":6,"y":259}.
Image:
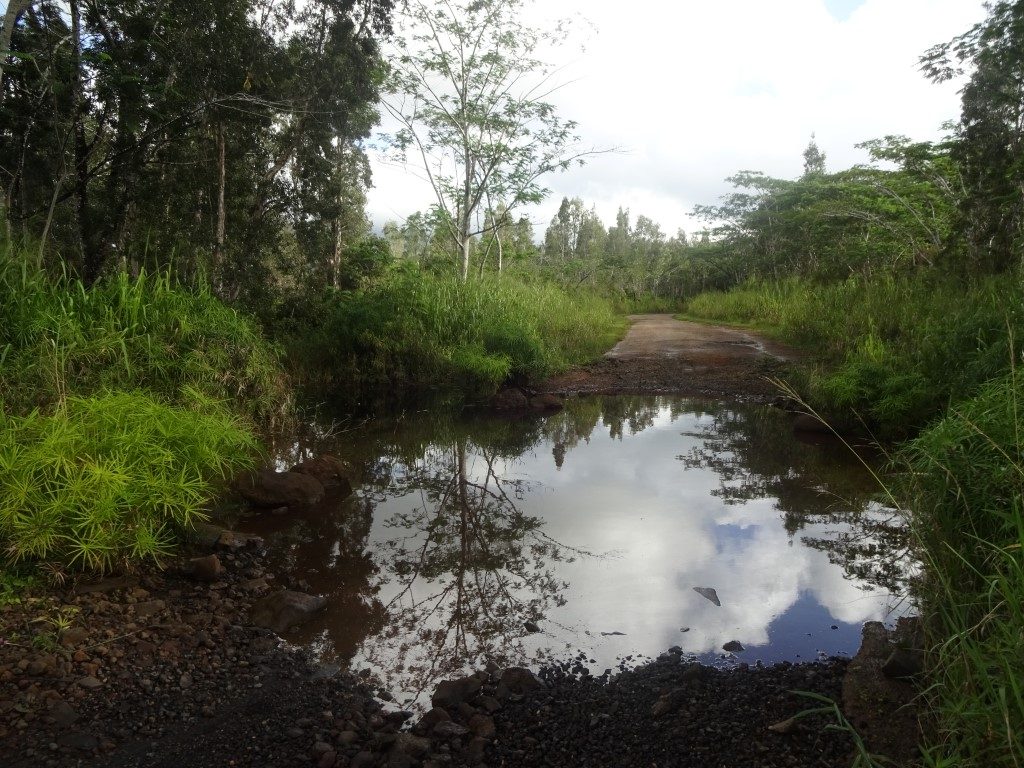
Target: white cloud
{"x":693,"y":92}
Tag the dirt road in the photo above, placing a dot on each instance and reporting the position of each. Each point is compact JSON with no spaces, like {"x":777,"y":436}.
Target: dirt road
{"x":662,"y":355}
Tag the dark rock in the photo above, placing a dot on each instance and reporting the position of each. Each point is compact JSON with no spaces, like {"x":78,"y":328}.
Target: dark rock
{"x":233,"y":540}
{"x":284,"y":609}
{"x":451,"y":693}
{"x":449,"y":729}
{"x":482,"y":725}
{"x":709,"y":593}
{"x":84,"y":742}
{"x":73,"y":636}
{"x":783,"y":726}
{"x":89,"y":683}
{"x":805,"y":422}
{"x":518,"y":680}
{"x":269,"y":488}
{"x":207,"y":568}
{"x":903,"y":662}
{"x":363,"y":759}
{"x":327,"y":759}
{"x":473,"y":754}
{"x":409,"y":744}
{"x":206,"y":535}
{"x":509,"y":400}
{"x":733,"y":646}
{"x":531,"y":626}
{"x":331,"y":471}
{"x":63,"y":714}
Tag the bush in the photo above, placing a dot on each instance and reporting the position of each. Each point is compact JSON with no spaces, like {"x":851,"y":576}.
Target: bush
{"x":58,"y":337}
{"x":413,"y":330}
{"x":113,"y":479}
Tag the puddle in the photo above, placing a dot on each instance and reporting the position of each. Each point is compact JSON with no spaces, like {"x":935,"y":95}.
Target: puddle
{"x":604,"y":526}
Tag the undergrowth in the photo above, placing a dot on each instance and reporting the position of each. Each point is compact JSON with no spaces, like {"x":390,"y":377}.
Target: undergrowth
{"x":965,"y":483}
{"x":109,"y":480}
{"x":411,"y":330}
{"x":895,"y":350}
{"x":58,"y":337}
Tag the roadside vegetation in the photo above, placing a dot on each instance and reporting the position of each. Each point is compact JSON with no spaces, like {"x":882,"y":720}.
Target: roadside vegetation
{"x":903,"y":280}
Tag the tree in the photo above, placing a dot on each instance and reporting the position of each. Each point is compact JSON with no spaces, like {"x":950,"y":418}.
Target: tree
{"x":470,"y":97}
{"x":989,"y":143}
{"x":814,"y":160}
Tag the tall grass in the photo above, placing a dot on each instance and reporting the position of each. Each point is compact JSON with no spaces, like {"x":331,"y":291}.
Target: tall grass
{"x":897,"y":350}
{"x":58,"y":337}
{"x":111,"y":479}
{"x":965,"y":480}
{"x":412,"y":330}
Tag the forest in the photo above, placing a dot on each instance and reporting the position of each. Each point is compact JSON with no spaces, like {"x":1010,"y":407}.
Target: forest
{"x":186,"y":263}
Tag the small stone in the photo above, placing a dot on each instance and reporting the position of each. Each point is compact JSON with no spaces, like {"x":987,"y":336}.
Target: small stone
{"x":327,"y":759}
{"x":708,"y":593}
{"x":784,"y":726}
{"x":482,"y":725}
{"x":448,"y":729}
{"x":207,"y":568}
{"x":451,"y":693}
{"x":89,"y":683}
{"x":531,"y":627}
{"x":185,"y":681}
{"x":73,"y":636}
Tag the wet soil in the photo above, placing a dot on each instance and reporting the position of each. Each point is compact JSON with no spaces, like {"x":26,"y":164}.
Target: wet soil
{"x":662,"y":355}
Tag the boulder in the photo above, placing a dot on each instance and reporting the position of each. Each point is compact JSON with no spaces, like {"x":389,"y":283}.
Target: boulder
{"x":450,"y":693}
{"x":518,"y":680}
{"x":331,"y":471}
{"x":281,"y":610}
{"x":709,"y":593}
{"x":235,"y":540}
{"x":269,"y":488}
{"x":510,"y":400}
{"x":733,"y":646}
{"x":207,"y":568}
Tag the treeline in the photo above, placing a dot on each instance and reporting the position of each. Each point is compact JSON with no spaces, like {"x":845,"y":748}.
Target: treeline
{"x":221,"y":140}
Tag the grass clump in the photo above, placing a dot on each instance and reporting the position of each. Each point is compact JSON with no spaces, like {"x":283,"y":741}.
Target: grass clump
{"x":965,"y":478}
{"x":58,"y":337}
{"x":412,"y":330}
{"x":113,"y":479}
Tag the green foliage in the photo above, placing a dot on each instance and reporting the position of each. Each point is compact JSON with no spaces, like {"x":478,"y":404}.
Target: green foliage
{"x":965,"y":479}
{"x":895,"y":350}
{"x":114,"y":478}
{"x":58,"y":337}
{"x":413,"y":330}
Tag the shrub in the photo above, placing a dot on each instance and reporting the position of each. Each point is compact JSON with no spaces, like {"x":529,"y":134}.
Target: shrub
{"x":112,"y":479}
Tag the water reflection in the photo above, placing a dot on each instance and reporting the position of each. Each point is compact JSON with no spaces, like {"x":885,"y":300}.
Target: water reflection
{"x":596,"y":524}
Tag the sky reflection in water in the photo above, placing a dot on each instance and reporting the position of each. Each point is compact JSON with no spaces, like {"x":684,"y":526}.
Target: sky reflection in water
{"x":596,"y":521}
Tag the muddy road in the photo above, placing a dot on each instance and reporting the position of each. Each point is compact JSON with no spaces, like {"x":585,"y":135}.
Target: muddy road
{"x":662,"y":355}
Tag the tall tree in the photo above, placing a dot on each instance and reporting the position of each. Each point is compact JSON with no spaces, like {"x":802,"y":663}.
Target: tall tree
{"x":990,"y":134}
{"x":470,"y":95}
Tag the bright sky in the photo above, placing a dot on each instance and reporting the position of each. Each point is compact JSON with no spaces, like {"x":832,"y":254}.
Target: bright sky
{"x":691,"y":92}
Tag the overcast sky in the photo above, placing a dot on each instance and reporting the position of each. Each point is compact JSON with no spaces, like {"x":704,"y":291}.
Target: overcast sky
{"x":692,"y":92}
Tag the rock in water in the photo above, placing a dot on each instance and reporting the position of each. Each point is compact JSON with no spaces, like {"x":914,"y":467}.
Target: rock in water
{"x":284,"y":609}
{"x":547,"y":402}
{"x":269,"y":488}
{"x":510,"y":399}
{"x":709,"y":593}
{"x":733,"y":646}
{"x":531,"y":626}
{"x":451,"y":693}
{"x":331,"y":471}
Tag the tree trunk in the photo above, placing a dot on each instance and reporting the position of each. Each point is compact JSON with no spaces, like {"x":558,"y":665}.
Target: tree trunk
{"x":464,"y":247}
{"x":218,"y":249}
{"x":500,"y":251}
{"x":90,"y":262}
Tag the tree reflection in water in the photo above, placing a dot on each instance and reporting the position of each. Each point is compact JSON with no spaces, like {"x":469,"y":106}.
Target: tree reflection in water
{"x":467,"y":568}
{"x":813,"y":485}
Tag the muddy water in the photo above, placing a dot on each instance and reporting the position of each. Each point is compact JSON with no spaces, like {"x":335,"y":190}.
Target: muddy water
{"x":607,"y":526}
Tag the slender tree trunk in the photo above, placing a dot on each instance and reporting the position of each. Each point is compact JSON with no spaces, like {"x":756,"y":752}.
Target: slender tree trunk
{"x":218,"y":249}
{"x":90,"y":266}
{"x":500,"y":251}
{"x":464,"y":246}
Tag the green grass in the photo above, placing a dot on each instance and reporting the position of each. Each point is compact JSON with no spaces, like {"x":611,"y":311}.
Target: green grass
{"x":412,"y":331}
{"x":965,"y":482}
{"x":894,"y":350}
{"x":112,"y":479}
{"x":58,"y":337}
